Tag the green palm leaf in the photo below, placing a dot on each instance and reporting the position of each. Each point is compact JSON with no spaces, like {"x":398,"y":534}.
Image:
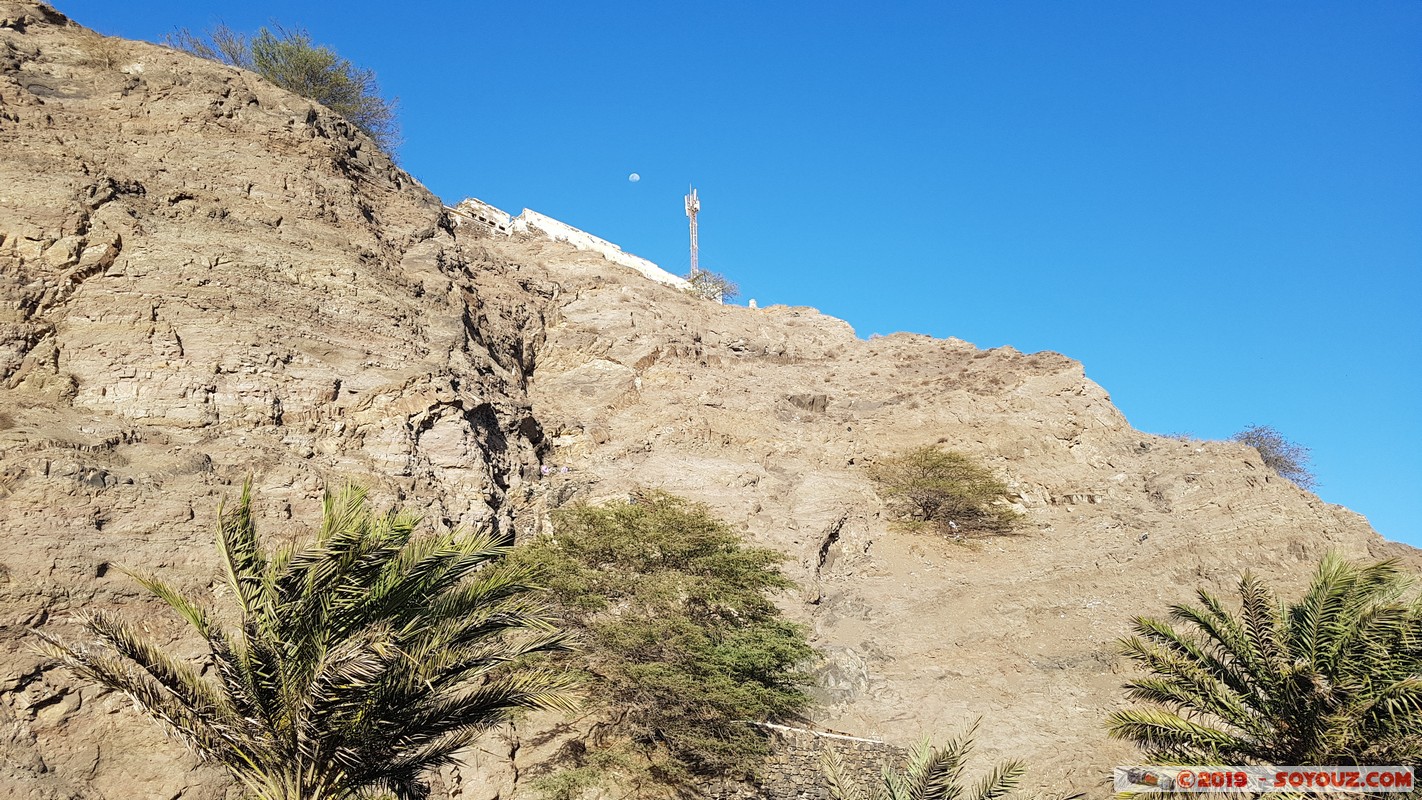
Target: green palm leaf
{"x":838,"y":781}
{"x":1003,"y":778}
{"x":360,"y":660}
{"x":1325,"y":680}
{"x":928,"y":773}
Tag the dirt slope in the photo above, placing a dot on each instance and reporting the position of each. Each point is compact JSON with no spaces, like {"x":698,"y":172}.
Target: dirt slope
{"x":203,"y":277}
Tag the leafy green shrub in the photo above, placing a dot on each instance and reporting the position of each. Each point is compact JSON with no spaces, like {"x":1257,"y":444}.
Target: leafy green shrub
{"x":712,"y":286}
{"x":1288,"y":459}
{"x":289,"y":59}
{"x":684,"y":645}
{"x":944,"y":488}
{"x":572,"y":784}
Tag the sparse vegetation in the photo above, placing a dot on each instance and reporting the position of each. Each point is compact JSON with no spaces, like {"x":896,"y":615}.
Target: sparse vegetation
{"x":104,"y":52}
{"x":1288,"y":459}
{"x":290,"y":59}
{"x":358,"y":662}
{"x":712,"y":286}
{"x":931,"y":773}
{"x":597,"y":767}
{"x":947,"y":489}
{"x":1332,"y":679}
{"x":683,"y":644}
{"x":219,"y":43}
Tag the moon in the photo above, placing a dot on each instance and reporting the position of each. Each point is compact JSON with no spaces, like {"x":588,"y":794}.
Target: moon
{"x":634,"y":177}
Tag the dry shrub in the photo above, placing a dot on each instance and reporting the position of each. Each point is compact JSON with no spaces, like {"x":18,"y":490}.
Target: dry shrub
{"x":946,"y":489}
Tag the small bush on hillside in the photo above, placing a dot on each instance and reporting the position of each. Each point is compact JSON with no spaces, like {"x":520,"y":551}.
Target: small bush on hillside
{"x":219,"y":43}
{"x":944,"y":488}
{"x":289,"y":59}
{"x":712,"y":286}
{"x":103,"y":52}
{"x":1288,"y":459}
{"x":683,"y":644}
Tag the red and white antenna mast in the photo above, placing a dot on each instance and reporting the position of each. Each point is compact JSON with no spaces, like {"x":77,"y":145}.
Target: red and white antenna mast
{"x":693,"y":205}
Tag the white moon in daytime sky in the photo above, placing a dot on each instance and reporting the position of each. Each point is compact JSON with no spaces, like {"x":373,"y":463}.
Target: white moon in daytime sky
{"x":634,"y":177}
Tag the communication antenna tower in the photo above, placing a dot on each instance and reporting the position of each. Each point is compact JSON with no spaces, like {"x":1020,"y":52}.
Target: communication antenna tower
{"x":693,"y":205}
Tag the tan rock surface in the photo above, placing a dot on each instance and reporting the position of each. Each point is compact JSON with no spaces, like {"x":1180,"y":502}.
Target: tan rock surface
{"x":203,"y":277}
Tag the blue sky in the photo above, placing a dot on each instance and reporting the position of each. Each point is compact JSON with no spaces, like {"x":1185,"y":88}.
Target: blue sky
{"x":1215,"y":206}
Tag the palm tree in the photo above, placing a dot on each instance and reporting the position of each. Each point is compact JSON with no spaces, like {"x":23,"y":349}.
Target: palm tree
{"x":1334,"y":679}
{"x":358,"y":661}
{"x":931,"y":773}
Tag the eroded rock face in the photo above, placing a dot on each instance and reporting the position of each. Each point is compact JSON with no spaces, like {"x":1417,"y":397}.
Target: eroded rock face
{"x":770,"y":415}
{"x":203,"y":278}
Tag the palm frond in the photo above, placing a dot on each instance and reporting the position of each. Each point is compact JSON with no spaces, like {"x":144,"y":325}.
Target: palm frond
{"x":1001,"y":780}
{"x":204,"y":732}
{"x":1397,"y":705}
{"x":928,"y":773}
{"x":1325,"y":678}
{"x":921,"y":758}
{"x":1320,"y":619}
{"x":240,"y":552}
{"x":178,"y":679}
{"x":359,"y":660}
{"x":943,"y":779}
{"x":1166,"y":734}
{"x":1262,"y":619}
{"x":838,"y":781}
{"x":1186,"y":647}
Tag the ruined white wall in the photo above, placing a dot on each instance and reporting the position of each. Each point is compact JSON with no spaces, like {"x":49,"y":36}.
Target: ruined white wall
{"x":481,"y":213}
{"x":531,"y":222}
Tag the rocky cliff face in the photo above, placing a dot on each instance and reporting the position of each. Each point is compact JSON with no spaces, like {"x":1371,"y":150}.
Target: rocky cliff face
{"x":203,"y":277}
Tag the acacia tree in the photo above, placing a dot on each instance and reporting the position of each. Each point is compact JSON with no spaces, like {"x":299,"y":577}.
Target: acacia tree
{"x":290,"y":59}
{"x":712,"y":286}
{"x":1332,"y":679}
{"x":1289,"y":460}
{"x":356,"y":663}
{"x":684,"y":643}
{"x":928,"y":484}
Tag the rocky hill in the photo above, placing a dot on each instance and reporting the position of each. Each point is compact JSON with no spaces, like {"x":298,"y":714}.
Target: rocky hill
{"x":203,"y":277}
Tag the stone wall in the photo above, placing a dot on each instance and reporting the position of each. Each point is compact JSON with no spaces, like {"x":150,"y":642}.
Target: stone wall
{"x":482,"y":215}
{"x":794,"y":770}
{"x":491,"y":219}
